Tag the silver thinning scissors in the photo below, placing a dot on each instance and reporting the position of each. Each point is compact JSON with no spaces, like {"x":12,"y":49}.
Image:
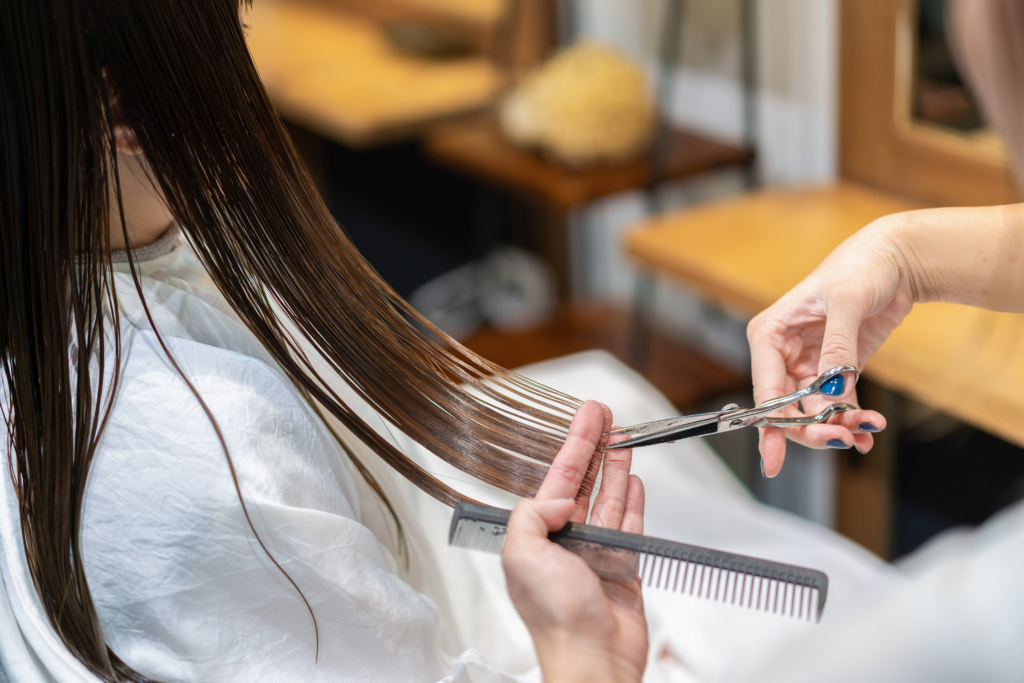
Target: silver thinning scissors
{"x":833,"y":382}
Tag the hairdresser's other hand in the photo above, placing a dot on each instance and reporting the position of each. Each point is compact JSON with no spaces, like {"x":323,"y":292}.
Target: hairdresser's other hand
{"x":839,"y":315}
{"x":584,"y":628}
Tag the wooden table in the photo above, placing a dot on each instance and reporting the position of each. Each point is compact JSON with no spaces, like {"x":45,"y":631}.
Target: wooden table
{"x":336,"y":74}
{"x":747,"y":252}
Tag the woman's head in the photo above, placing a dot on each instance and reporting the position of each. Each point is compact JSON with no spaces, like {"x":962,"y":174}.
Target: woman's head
{"x":188,"y":93}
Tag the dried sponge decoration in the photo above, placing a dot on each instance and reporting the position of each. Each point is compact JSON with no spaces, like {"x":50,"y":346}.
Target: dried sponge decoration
{"x":589,"y":104}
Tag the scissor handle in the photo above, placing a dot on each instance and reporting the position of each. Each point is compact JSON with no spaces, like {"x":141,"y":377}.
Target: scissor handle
{"x":820,"y":418}
{"x":830,"y":383}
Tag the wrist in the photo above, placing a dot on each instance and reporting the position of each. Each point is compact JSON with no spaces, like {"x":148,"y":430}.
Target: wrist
{"x":907,"y":237}
{"x":961,"y":255}
{"x":566,"y":658}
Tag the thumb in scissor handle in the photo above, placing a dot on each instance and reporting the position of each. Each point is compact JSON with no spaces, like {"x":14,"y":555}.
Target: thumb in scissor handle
{"x":833,"y":382}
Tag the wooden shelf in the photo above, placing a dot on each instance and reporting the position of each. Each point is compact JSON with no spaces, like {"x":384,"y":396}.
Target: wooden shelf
{"x":479,"y":148}
{"x":685,"y":376}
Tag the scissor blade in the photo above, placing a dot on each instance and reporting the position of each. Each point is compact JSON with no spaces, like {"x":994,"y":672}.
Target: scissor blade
{"x":675,"y":430}
{"x":659,"y":426}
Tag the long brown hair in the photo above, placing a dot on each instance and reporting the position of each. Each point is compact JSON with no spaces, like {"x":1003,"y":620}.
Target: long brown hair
{"x":186,"y":85}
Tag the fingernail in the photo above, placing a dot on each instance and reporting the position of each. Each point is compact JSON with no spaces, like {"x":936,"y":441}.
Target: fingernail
{"x":836,"y":443}
{"x":868,"y":427}
{"x":834,"y":387}
{"x":762,"y":468}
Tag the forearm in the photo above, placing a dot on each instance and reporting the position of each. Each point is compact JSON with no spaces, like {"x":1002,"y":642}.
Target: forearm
{"x":972,"y":256}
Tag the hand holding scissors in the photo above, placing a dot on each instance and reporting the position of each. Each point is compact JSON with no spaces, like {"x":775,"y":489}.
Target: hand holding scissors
{"x":836,"y":382}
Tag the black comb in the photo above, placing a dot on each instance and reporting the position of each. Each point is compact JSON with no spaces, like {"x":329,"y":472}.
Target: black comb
{"x":618,"y":556}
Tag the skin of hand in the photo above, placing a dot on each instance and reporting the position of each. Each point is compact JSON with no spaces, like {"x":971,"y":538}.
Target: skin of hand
{"x":584,"y":628}
{"x":844,"y":310}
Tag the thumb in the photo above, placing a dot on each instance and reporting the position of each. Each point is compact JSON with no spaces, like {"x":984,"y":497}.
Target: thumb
{"x":555,"y":513}
{"x":846,"y":310}
{"x":534,"y":517}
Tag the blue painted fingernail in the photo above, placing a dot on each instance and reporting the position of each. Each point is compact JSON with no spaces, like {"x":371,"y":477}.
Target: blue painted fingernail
{"x":834,"y":387}
{"x":762,"y":468}
{"x":868,"y":427}
{"x":836,"y":443}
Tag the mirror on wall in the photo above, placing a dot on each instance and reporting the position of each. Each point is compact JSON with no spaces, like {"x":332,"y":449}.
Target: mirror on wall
{"x":939,"y":95}
{"x":934,"y":104}
{"x":908,"y":120}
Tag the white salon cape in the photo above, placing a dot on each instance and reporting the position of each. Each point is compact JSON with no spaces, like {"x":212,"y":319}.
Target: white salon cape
{"x":185,"y":592}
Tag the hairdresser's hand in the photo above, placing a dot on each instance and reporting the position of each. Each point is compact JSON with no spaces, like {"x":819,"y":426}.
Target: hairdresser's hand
{"x":584,"y":628}
{"x":839,"y":315}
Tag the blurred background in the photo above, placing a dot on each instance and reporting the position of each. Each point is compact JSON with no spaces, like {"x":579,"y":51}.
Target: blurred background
{"x":542,"y":177}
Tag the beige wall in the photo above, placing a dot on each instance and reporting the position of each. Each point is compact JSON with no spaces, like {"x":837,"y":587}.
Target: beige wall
{"x":796,"y":63}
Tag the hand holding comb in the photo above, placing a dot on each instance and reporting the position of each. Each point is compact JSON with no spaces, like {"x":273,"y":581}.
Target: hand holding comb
{"x":749,"y":582}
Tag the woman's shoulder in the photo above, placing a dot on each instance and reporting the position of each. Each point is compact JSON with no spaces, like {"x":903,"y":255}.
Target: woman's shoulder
{"x":213,"y":405}
{"x":178,"y":575}
{"x":186,"y":467}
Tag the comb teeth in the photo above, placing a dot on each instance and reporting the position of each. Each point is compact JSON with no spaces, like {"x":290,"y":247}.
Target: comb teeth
{"x":485,"y":536}
{"x":748,"y":582}
{"x":792,"y":598}
{"x":614,"y":564}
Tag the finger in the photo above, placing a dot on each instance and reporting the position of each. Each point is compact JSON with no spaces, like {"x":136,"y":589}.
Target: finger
{"x":823,"y":436}
{"x":772,"y":446}
{"x":633,"y":517}
{"x":767,"y":362}
{"x":847,"y":308}
{"x":840,"y":432}
{"x":863,"y":426}
{"x":833,"y":437}
{"x":610,"y":504}
{"x":858,"y":421}
{"x":570,"y":465}
{"x":541,"y":517}
{"x":530,"y":523}
{"x":863,"y":442}
{"x":768,"y":372}
{"x":593,"y":470}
